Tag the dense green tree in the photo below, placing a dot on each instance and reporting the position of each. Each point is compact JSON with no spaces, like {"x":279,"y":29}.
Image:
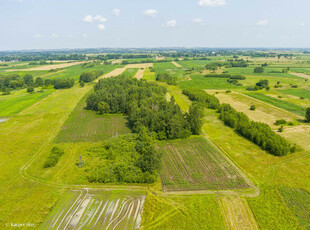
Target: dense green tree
{"x":30,"y":89}
{"x":28,"y":78}
{"x":103,"y":107}
{"x":259,"y":70}
{"x":194,"y":117}
{"x":39,"y":81}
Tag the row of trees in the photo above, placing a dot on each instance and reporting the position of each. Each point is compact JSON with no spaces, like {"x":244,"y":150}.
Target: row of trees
{"x":15,"y":81}
{"x":89,"y":76}
{"x":259,"y":133}
{"x":227,"y":64}
{"x":146,"y":106}
{"x":225,"y":75}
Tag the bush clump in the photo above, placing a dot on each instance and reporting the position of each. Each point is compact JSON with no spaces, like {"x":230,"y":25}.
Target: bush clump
{"x":53,"y":157}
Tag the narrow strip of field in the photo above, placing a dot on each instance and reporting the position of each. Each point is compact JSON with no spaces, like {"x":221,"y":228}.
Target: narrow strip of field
{"x":88,"y":126}
{"x":143,"y":65}
{"x":279,"y":103}
{"x":195,"y":164}
{"x":17,"y":103}
{"x":176,"y":64}
{"x":139,"y":74}
{"x":305,"y":93}
{"x":49,"y":67}
{"x":91,"y":209}
{"x":263,"y":113}
{"x":237,"y":213}
{"x":299,"y":135}
{"x":301,"y":75}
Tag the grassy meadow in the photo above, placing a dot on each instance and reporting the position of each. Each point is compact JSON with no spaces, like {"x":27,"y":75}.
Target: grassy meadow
{"x":204,"y":181}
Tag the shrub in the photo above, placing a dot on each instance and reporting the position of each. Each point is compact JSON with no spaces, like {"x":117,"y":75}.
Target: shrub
{"x":294,"y":86}
{"x":281,"y":129}
{"x":53,"y":157}
{"x":280,"y":122}
{"x":30,"y":89}
{"x":259,"y":70}
{"x":238,"y":77}
{"x":290,"y":123}
{"x":253,"y":107}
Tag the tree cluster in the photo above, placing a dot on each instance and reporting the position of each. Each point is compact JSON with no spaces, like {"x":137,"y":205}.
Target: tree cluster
{"x":89,"y":76}
{"x":63,"y":83}
{"x":146,"y":106}
{"x":130,"y":158}
{"x":166,"y":77}
{"x":259,"y":133}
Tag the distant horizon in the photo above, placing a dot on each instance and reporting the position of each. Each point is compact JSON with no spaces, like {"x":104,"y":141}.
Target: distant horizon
{"x":155,"y":48}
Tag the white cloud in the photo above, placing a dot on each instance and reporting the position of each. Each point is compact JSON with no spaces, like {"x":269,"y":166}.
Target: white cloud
{"x":101,"y":27}
{"x":212,"y":3}
{"x":302,"y":24}
{"x":171,"y":23}
{"x":19,"y":1}
{"x":197,"y":21}
{"x":88,"y":18}
{"x":150,"y":13}
{"x":116,"y":12}
{"x":69,"y":36}
{"x":55,"y":35}
{"x":38,"y":36}
{"x":263,"y":22}
{"x":85,"y":36}
{"x":99,"y":18}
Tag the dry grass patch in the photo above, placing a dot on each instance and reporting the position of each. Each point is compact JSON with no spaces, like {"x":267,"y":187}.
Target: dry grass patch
{"x":176,"y":64}
{"x":49,"y":67}
{"x":263,"y":113}
{"x":301,"y":75}
{"x":139,"y":74}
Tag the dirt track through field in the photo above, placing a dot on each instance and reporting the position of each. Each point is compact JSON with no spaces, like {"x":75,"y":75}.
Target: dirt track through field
{"x":301,"y":75}
{"x":176,"y":64}
{"x":237,"y":213}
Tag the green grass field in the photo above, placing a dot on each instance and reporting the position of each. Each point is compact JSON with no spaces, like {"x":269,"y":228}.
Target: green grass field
{"x":195,"y":164}
{"x":182,"y":212}
{"x":130,"y":72}
{"x":279,"y":103}
{"x":201,"y":82}
{"x":13,"y":104}
{"x":194,"y":170}
{"x":88,"y":126}
{"x":297,"y":92}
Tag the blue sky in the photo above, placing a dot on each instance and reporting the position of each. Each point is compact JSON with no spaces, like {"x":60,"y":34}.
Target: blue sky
{"x":53,"y":24}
